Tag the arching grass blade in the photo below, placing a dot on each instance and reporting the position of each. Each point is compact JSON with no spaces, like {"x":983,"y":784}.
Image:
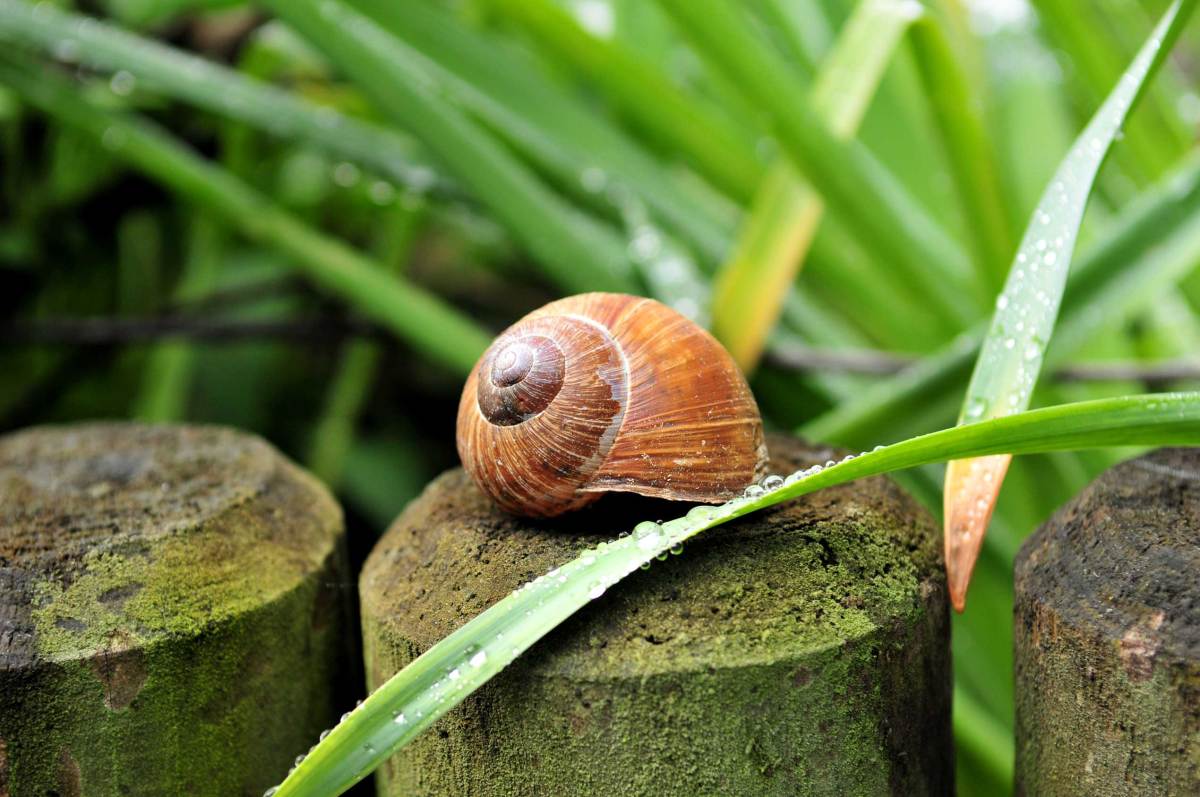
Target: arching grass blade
{"x":420,"y":318}
{"x":218,"y":88}
{"x":444,"y":675}
{"x":1026,"y":310}
{"x":577,"y":252}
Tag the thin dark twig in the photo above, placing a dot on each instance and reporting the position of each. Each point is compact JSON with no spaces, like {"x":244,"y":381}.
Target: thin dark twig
{"x":108,"y":331}
{"x":881,"y":363}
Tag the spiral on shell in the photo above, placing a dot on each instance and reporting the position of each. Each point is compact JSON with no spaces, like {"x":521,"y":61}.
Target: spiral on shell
{"x":606,"y":392}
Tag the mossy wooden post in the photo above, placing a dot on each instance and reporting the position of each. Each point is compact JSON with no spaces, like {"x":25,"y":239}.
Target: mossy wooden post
{"x":802,"y":650}
{"x":1108,"y":637}
{"x":170,"y":618}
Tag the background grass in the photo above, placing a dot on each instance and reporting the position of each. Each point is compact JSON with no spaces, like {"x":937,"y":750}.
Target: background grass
{"x":308,"y":226}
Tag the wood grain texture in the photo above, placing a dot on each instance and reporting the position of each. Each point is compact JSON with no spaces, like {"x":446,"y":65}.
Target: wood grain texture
{"x":1108,"y":636}
{"x":650,"y":403}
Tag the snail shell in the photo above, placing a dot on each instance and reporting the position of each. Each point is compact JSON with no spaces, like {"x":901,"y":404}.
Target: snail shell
{"x":606,"y":392}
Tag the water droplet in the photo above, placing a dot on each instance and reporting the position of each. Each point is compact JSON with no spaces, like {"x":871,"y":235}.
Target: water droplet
{"x":662,"y":557}
{"x":593,"y":179}
{"x":645,"y":565}
{"x":1032,"y":351}
{"x":772,"y":482}
{"x":976,"y":407}
{"x":1001,"y":302}
{"x":1009,"y":343}
{"x":382,"y":192}
{"x":596,"y":590}
{"x":345,"y":716}
{"x":345,"y":174}
{"x":587,"y":560}
{"x":299,"y":760}
{"x":753,"y":491}
{"x":478,"y":659}
{"x":122,"y":83}
{"x":271,"y":792}
{"x":677,"y":548}
{"x":701,"y":514}
{"x":829,"y":463}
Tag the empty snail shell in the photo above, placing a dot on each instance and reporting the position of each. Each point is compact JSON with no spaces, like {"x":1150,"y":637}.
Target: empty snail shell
{"x":606,"y":392}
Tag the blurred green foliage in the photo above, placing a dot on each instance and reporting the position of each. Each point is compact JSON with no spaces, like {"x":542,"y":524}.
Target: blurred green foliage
{"x":306,"y":225}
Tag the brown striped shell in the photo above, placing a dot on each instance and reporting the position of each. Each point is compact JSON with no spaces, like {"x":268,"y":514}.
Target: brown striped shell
{"x":606,"y":392}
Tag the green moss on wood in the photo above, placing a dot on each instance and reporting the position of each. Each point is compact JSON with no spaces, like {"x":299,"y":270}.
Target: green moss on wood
{"x":1108,"y":638}
{"x":798,"y":651}
{"x":162,"y":640}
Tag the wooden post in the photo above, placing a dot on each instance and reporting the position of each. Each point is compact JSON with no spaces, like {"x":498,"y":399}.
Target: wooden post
{"x":1108,"y":637}
{"x":170,"y":614}
{"x":801,"y":650}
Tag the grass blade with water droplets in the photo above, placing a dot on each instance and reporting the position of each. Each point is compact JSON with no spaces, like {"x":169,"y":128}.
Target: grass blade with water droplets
{"x":583,"y":150}
{"x":1026,"y":310}
{"x":575,"y":251}
{"x":218,"y":88}
{"x":444,"y":675}
{"x":718,"y":149}
{"x":422,"y":319}
{"x":749,"y":292}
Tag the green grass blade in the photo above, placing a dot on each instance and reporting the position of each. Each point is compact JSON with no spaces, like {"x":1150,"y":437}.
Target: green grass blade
{"x":168,"y":369}
{"x":444,"y":675}
{"x":969,"y":148}
{"x":716,"y":148}
{"x":1153,"y":243}
{"x":1026,"y":310}
{"x":219,"y":89}
{"x":1156,"y":136}
{"x":552,"y":127}
{"x":575,"y":251}
{"x":855,"y":186}
{"x":334,"y":431}
{"x":426,"y":322}
{"x":749,"y":291}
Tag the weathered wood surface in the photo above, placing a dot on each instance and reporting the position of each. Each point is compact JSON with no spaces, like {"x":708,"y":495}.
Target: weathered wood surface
{"x":1108,"y":637}
{"x":170,"y":614}
{"x":802,"y":650}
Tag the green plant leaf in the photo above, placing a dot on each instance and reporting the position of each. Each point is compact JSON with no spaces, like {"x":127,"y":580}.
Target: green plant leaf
{"x":217,"y":88}
{"x":855,"y":186}
{"x":575,"y":251}
{"x":425,"y":321}
{"x":444,"y":675}
{"x":959,"y":117}
{"x":750,"y":289}
{"x":719,"y":150}
{"x":1015,"y":345}
{"x":591,"y":158}
{"x":1153,"y":243}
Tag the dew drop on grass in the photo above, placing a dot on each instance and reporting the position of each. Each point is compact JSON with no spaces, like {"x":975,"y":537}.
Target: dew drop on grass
{"x":479,"y":659}
{"x":772,"y":482}
{"x":701,"y":514}
{"x":596,"y":590}
{"x":677,"y":549}
{"x":976,"y":407}
{"x":122,"y":83}
{"x":753,"y":491}
{"x":271,"y":792}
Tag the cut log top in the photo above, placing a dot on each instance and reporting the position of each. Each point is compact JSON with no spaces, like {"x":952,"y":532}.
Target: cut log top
{"x":112,"y":534}
{"x":1122,"y":561}
{"x":869,"y":556}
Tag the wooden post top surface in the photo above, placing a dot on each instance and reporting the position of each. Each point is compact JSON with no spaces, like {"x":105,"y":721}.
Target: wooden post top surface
{"x":114,"y":534}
